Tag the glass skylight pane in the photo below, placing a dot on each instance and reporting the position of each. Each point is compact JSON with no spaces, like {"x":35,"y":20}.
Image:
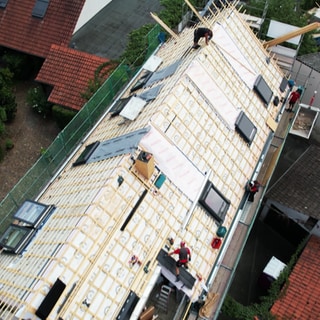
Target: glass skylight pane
{"x":3,"y":3}
{"x":30,"y":212}
{"x":40,"y":8}
{"x":15,"y":238}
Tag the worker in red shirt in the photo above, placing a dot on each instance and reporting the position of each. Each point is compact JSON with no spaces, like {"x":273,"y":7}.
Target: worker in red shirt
{"x":253,"y":189}
{"x":293,"y":98}
{"x":184,"y":256}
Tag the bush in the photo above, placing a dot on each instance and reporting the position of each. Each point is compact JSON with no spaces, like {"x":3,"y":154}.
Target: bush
{"x":7,"y":99}
{"x":9,"y":144}
{"x":62,"y":115}
{"x":37,"y":100}
{"x":1,"y":153}
{"x":22,"y":66}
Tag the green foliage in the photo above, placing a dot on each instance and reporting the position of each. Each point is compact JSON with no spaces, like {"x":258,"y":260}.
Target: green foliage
{"x":289,"y":12}
{"x":174,"y":10}
{"x":37,"y":100}
{"x":7,"y":99}
{"x":309,"y":4}
{"x":2,"y":153}
{"x":278,"y":288}
{"x":100,"y":76}
{"x":62,"y":115}
{"x":137,"y":46}
{"x":2,"y":128}
{"x":23,"y":66}
{"x":9,"y":144}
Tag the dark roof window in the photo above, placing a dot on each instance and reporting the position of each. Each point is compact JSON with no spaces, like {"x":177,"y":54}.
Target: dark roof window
{"x":283,"y":84}
{"x":245,"y":128}
{"x":28,"y":219}
{"x":40,"y":8}
{"x":86,"y":153}
{"x":263,"y":90}
{"x":118,"y":106}
{"x":142,"y":81}
{"x":16,"y":238}
{"x":32,"y":213}
{"x":3,"y":3}
{"x":214,"y":202}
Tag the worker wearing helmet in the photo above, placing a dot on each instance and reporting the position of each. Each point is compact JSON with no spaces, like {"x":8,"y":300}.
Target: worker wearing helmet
{"x":184,"y":256}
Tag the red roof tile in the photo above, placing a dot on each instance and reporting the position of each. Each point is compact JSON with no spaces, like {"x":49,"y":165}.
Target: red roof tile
{"x":68,"y":71}
{"x":300,"y":298}
{"x":23,"y":32}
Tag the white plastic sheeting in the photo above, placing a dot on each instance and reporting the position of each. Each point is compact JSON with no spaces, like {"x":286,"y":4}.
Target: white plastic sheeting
{"x":234,"y":56}
{"x":211,"y":91}
{"x":173,"y":163}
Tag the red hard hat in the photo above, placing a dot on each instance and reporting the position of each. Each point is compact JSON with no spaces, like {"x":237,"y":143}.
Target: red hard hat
{"x":182,"y":244}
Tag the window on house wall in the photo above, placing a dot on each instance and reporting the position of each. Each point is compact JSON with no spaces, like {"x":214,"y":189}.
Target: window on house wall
{"x":40,"y":8}
{"x":3,"y":3}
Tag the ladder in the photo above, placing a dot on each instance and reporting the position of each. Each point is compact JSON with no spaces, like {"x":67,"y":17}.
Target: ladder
{"x":163,"y":300}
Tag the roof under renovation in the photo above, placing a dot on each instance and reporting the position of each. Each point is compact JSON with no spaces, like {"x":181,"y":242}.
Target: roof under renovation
{"x":168,"y":160}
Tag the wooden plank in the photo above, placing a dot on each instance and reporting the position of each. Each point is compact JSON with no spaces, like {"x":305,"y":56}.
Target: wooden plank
{"x":170,"y":263}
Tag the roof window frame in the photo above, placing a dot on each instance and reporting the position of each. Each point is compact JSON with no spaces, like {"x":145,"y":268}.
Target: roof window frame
{"x":40,"y":8}
{"x":3,"y":4}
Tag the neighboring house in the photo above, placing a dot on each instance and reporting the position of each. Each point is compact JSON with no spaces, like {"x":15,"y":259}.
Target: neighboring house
{"x":45,"y":29}
{"x":67,"y":71}
{"x":294,"y":198}
{"x":32,"y":26}
{"x":169,"y":160}
{"x":299,"y":300}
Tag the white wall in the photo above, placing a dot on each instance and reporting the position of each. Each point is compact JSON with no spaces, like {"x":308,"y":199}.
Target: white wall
{"x":89,"y":10}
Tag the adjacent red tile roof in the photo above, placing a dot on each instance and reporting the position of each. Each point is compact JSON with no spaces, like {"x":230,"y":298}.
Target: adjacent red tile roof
{"x":68,"y":71}
{"x":23,"y":32}
{"x":300,"y":301}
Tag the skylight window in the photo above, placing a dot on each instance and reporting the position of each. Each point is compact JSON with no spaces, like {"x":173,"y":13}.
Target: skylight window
{"x":283,"y":84}
{"x":263,"y":90}
{"x":99,"y":151}
{"x":141,"y":81}
{"x":245,"y":128}
{"x":32,"y":213}
{"x":28,"y":219}
{"x":16,"y":238}
{"x":214,"y":202}
{"x":40,"y":8}
{"x":3,"y":3}
{"x":86,"y":153}
{"x":118,"y":106}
